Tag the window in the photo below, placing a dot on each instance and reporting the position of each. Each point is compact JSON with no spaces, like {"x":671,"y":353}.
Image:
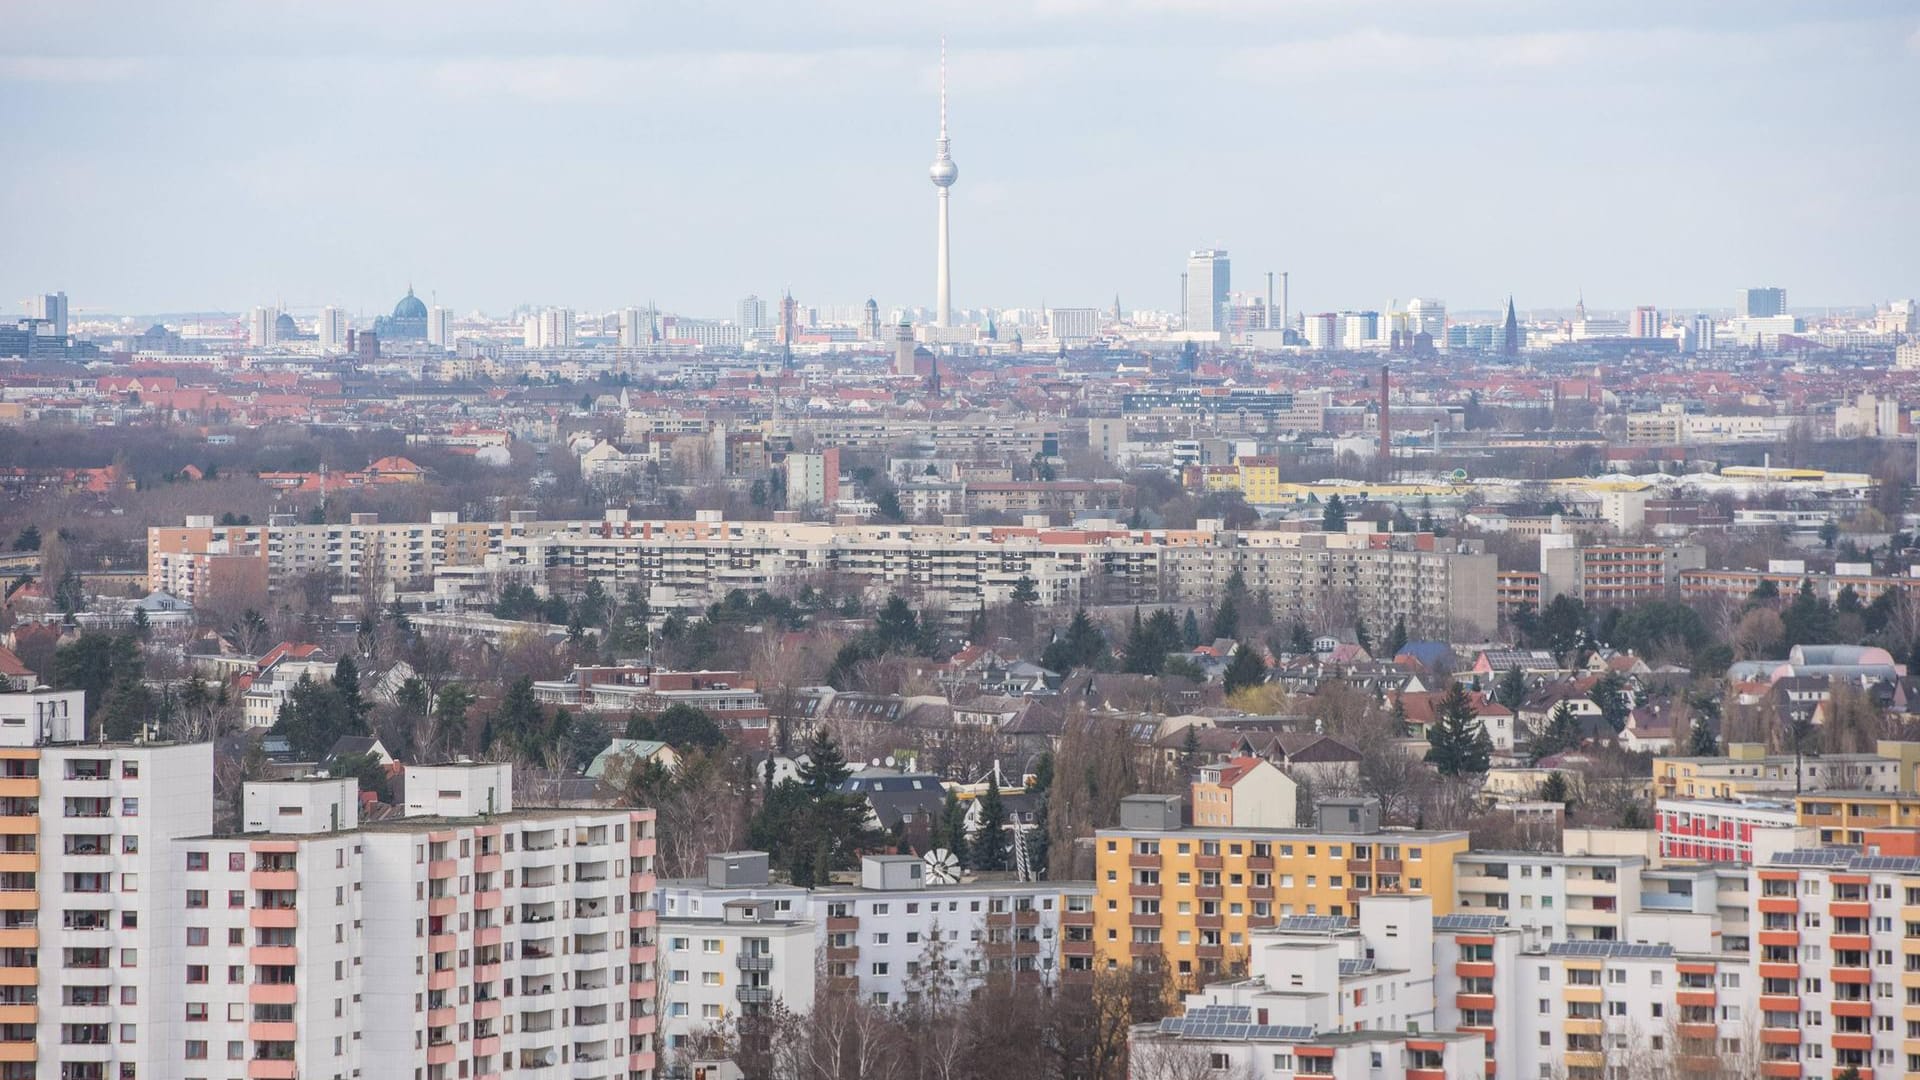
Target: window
{"x":196,"y":860}
{"x":196,"y":935}
{"x":196,"y":1011}
{"x":196,"y":898}
{"x":196,"y":1049}
{"x":129,"y":807}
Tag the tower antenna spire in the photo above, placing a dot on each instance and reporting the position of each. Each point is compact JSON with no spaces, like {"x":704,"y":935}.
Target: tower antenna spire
{"x":943,"y":173}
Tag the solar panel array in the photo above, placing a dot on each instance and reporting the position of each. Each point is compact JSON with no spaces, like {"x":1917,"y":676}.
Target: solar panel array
{"x":1905,"y":864}
{"x":1815,"y":857}
{"x":1315,"y":923}
{"x":1217,"y":1023}
{"x":1619,"y":949}
{"x":1356,"y":967}
{"x":1469,"y":922}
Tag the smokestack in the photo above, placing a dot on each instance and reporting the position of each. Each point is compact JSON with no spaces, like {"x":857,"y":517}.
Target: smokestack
{"x":1386,"y":424}
{"x":1269,"y":299}
{"x":1283,"y":300}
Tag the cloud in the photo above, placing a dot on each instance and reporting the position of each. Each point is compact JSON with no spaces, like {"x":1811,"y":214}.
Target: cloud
{"x":565,"y":79}
{"x":73,"y":69}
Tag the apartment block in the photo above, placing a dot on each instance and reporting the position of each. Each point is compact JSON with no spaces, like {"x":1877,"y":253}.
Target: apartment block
{"x":1613,"y":574}
{"x":734,"y":961}
{"x":1323,"y":996}
{"x":1838,"y":942}
{"x":1191,"y":897}
{"x":1552,"y":896}
{"x":1717,"y":830}
{"x":875,"y":937}
{"x":1441,"y":590}
{"x":472,"y":941}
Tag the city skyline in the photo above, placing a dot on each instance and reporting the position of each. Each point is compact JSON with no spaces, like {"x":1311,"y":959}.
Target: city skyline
{"x":348,"y":165}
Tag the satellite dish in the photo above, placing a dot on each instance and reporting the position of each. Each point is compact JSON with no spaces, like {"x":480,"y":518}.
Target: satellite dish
{"x":889,"y":761}
{"x":942,"y":867}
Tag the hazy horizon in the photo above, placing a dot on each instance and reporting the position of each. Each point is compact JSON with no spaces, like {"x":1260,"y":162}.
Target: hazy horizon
{"x":598,"y":155}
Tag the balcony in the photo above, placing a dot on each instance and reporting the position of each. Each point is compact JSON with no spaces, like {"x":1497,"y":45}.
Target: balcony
{"x":754,"y":995}
{"x":261,"y":918}
{"x":753,"y":962}
{"x":274,"y":880}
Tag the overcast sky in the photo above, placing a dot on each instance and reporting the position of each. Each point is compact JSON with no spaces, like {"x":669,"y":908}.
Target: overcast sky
{"x":219,"y":155}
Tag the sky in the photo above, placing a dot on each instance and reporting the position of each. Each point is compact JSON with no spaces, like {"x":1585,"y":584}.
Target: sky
{"x":218,"y":155}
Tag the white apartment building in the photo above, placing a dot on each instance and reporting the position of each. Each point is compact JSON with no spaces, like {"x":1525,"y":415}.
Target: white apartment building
{"x":1323,"y":996}
{"x":1550,"y":896}
{"x":733,"y":961}
{"x":85,"y":835}
{"x":136,"y":944}
{"x":332,"y":329}
{"x":686,"y":565}
{"x":879,"y":934}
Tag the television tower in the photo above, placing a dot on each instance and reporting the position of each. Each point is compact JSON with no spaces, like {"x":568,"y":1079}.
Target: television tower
{"x":943,"y":173}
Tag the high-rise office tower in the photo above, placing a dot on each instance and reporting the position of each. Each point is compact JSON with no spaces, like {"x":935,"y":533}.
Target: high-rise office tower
{"x":1208,"y":277}
{"x":263,"y":327}
{"x":550,"y":329}
{"x":943,"y":173}
{"x":439,"y":326}
{"x":1763,"y":303}
{"x":1703,"y":332}
{"x":753,"y":314}
{"x":52,"y":307}
{"x":635,"y":325}
{"x":1645,"y":322}
{"x":332,"y":329}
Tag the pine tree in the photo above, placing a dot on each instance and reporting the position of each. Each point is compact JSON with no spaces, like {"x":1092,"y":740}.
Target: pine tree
{"x":953,"y":827}
{"x":1226,"y":619}
{"x":825,"y":767}
{"x":1138,"y":656}
{"x":1333,"y":517}
{"x":1190,"y":629}
{"x":1299,"y":640}
{"x":1513,"y":687}
{"x":1024,"y":592}
{"x":990,"y":850}
{"x":1397,"y":640}
{"x":1701,"y":742}
{"x":1459,"y":744}
{"x":1561,"y":733}
{"x":1556,"y":789}
{"x":1247,"y":668}
{"x":1190,"y":747}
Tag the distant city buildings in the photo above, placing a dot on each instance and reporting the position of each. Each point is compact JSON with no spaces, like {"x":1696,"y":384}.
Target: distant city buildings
{"x":331,"y":330}
{"x":552,"y":328}
{"x":1208,"y":289}
{"x":263,"y":327}
{"x":1762,"y":303}
{"x":50,"y":308}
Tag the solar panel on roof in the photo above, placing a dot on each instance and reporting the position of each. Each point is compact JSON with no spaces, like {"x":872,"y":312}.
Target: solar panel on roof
{"x":1315,"y":923}
{"x":1469,"y":922}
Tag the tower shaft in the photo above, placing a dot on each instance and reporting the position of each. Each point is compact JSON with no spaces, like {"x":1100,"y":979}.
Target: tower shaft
{"x":943,"y":271}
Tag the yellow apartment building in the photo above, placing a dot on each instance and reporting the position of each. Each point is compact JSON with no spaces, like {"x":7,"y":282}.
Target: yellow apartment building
{"x":1189,"y":896}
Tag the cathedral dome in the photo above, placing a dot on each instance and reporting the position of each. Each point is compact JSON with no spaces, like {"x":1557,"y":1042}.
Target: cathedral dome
{"x":409,"y":307}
